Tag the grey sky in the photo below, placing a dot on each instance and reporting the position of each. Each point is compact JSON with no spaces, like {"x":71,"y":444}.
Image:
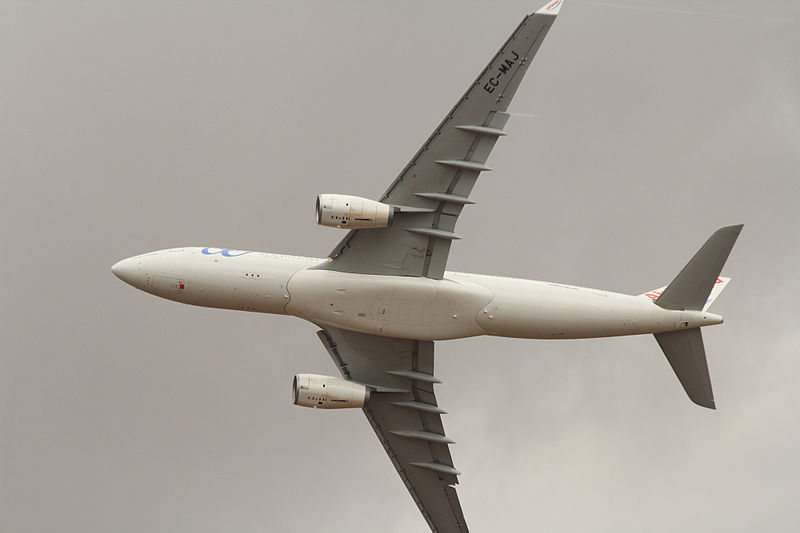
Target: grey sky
{"x":129,"y":127}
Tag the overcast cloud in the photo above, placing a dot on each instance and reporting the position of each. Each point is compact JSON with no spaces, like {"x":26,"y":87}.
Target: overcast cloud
{"x":130,"y":127}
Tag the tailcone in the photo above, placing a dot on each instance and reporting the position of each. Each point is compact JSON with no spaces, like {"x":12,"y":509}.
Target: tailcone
{"x":710,"y":319}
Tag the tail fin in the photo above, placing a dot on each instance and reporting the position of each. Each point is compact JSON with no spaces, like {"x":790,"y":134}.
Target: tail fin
{"x":719,"y":285}
{"x":692,"y":290}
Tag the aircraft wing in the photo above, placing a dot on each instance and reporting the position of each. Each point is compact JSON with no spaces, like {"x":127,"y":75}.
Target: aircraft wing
{"x":405,"y":416}
{"x":436,"y":183}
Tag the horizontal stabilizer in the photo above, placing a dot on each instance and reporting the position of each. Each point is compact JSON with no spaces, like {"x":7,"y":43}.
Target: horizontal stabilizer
{"x":691,"y":288}
{"x":687,"y":356}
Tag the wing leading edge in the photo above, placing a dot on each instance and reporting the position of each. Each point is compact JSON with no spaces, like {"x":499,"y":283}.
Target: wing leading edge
{"x":405,"y":416}
{"x":440,"y":177}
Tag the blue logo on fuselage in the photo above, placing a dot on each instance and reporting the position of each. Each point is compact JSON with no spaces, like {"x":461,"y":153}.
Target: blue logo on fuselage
{"x":225,"y":252}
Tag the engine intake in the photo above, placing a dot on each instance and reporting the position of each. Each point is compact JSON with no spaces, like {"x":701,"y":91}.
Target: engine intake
{"x":326,"y":392}
{"x":341,"y":211}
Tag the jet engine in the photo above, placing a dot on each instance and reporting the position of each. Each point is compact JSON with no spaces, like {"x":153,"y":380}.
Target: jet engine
{"x":326,"y":392}
{"x":341,"y":211}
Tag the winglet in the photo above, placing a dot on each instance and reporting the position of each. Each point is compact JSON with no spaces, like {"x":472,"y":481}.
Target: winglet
{"x":551,"y":8}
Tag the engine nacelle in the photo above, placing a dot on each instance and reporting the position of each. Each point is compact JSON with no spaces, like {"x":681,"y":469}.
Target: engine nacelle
{"x":326,"y":392}
{"x":341,"y":211}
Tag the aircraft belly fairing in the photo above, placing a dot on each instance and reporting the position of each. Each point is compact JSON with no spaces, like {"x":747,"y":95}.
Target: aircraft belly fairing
{"x":394,"y":306}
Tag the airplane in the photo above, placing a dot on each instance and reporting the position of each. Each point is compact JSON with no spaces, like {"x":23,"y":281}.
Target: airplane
{"x":383,"y":297}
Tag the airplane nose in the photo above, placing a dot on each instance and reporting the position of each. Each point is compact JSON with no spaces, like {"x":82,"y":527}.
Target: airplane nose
{"x":127,"y":270}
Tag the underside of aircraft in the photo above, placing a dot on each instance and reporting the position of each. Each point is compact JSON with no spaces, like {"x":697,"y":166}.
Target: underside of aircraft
{"x":383,"y":295}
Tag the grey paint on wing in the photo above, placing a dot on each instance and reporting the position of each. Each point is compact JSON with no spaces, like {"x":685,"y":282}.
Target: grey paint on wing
{"x":449,"y":163}
{"x":687,"y":357}
{"x":413,"y":437}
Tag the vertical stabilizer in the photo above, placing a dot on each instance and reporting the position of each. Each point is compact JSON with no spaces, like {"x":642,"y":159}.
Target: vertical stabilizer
{"x":687,"y":356}
{"x":691,"y":288}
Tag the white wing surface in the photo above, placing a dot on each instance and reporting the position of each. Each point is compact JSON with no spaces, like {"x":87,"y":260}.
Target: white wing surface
{"x":437,"y":181}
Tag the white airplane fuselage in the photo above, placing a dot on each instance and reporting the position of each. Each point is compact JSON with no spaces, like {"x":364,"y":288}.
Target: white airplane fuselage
{"x":457,"y":306}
